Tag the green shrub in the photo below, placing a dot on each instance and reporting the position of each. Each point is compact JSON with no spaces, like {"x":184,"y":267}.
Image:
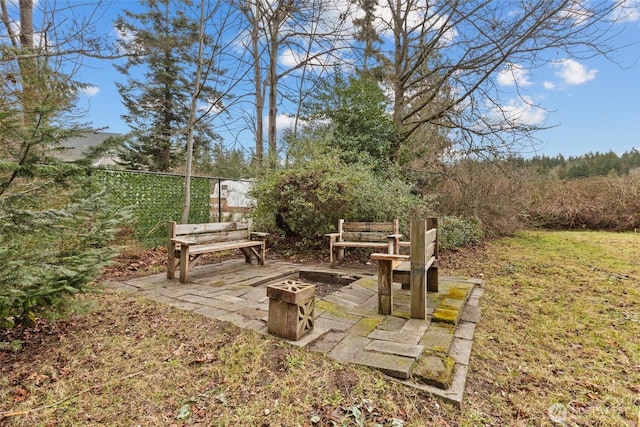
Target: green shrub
{"x":457,"y":232}
{"x":312,"y":195}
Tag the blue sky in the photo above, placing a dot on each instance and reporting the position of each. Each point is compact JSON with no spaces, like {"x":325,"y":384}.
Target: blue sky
{"x":593,"y":104}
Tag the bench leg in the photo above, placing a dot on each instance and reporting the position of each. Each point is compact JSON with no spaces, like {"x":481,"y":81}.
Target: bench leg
{"x":263,"y":253}
{"x":247,"y":254}
{"x":432,"y":279}
{"x":184,"y":264}
{"x":331,"y":257}
{"x":385,"y":290}
{"x":171,"y":262}
{"x":336,"y":256}
{"x":258,"y":251}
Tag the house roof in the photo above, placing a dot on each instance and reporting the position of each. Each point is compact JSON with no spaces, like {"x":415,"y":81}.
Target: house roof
{"x":76,"y":148}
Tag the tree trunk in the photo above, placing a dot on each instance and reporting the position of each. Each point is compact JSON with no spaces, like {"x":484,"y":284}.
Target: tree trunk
{"x":257,"y":75}
{"x":272,"y":153}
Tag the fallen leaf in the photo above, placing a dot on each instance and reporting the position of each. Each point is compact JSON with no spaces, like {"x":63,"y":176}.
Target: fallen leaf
{"x":20,"y":394}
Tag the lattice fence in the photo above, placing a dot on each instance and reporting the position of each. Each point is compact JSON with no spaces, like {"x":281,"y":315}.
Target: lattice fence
{"x":153,"y":199}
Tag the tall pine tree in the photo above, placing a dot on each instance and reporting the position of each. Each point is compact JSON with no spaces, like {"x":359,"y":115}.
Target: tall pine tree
{"x":162,"y":42}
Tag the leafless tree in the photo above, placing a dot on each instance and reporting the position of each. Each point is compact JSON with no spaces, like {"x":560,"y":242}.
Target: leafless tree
{"x":311,"y":32}
{"x":215,"y":23}
{"x":460,"y":46}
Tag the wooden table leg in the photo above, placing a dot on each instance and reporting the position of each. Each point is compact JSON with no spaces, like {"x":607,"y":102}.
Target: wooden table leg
{"x":385,"y":293}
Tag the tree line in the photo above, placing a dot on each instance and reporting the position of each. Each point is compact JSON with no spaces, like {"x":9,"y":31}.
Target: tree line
{"x":587,"y":165}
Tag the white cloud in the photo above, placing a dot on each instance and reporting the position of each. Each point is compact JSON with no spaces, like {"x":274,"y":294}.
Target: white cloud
{"x":628,"y":10}
{"x":577,"y":11}
{"x":514,"y":75}
{"x":549,"y":85}
{"x":518,"y":111}
{"x":90,"y":90}
{"x":290,"y":59}
{"x":283,"y":122}
{"x":573,"y":73}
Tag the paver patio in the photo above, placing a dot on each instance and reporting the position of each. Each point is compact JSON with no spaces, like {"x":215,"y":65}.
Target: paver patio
{"x":347,"y":325}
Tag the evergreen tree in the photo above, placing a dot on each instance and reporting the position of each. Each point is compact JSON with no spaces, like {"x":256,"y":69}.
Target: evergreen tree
{"x":162,"y":41}
{"x":631,"y":159}
{"x":352,"y":113}
{"x":55,"y":227}
{"x":229,"y":163}
{"x":366,"y":32}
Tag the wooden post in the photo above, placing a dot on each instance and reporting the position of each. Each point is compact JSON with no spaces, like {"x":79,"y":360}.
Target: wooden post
{"x":171,"y":252}
{"x":386,"y":264}
{"x":184,"y":263}
{"x":291,"y":309}
{"x":340,"y":251}
{"x":385,"y":290}
{"x":418,"y":274}
{"x":432,"y":272}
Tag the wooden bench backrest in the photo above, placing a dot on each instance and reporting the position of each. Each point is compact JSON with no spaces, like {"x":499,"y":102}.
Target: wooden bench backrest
{"x":430,"y":242}
{"x":213,"y":232}
{"x":367,"y":231}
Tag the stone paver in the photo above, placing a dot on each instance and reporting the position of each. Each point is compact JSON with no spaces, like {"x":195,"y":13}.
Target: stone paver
{"x":399,"y":349}
{"x":461,"y":351}
{"x":434,"y":369}
{"x":465,"y":330}
{"x":327,"y":342}
{"x":395,"y":366}
{"x":346,"y":350}
{"x":211,"y":312}
{"x":347,"y":326}
{"x":438,"y":338}
{"x":471,"y":314}
{"x":332,"y":324}
{"x":415,"y":327}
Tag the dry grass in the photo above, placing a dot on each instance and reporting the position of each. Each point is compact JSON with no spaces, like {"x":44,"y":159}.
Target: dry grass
{"x":134,"y":362}
{"x":561,"y":319}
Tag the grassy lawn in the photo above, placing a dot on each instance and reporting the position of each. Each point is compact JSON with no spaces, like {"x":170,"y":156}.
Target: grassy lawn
{"x":559,"y":340}
{"x":560,"y":332}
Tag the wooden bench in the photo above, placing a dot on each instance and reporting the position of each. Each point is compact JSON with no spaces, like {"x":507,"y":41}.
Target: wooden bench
{"x":187,"y":242}
{"x":419,"y":270}
{"x":369,"y":235}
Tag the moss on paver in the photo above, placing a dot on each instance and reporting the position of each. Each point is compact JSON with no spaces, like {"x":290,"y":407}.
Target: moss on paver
{"x":366,"y":325}
{"x":446,"y":314}
{"x":401,"y":313}
{"x":438,"y":338}
{"x":450,"y":308}
{"x":457,"y":293}
{"x":433,"y":368}
{"x":335,"y":310}
{"x":368,"y":283}
{"x":433,"y":299}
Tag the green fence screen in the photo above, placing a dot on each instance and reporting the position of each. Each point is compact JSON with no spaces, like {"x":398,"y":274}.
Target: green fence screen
{"x":153,"y":199}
